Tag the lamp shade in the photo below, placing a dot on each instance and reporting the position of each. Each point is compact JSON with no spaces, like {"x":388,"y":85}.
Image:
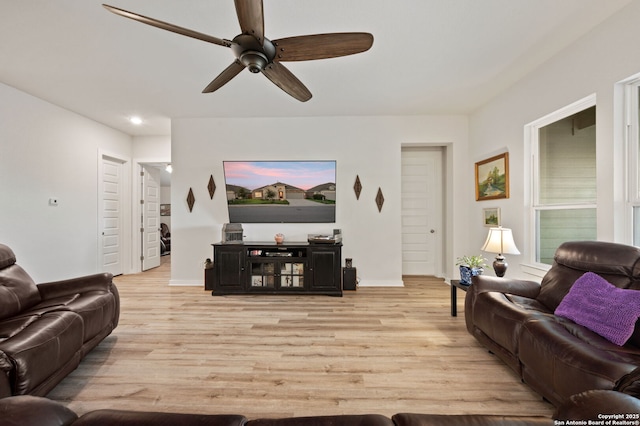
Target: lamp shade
{"x":500,"y":240}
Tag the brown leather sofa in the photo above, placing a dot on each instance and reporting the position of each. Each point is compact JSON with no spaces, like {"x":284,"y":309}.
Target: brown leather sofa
{"x":36,"y":411}
{"x":555,"y":356}
{"x":46,"y":329}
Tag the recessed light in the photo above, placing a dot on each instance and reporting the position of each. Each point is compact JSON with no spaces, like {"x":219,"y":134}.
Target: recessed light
{"x":136,"y":120}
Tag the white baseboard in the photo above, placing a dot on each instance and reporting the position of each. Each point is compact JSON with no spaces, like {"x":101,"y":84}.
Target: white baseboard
{"x":187,"y":283}
{"x":381,"y":283}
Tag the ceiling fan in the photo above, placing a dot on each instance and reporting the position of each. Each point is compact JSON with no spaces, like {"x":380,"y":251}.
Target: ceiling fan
{"x":259,"y":54}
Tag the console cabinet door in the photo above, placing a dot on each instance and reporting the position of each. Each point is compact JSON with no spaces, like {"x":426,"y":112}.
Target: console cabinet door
{"x":324,"y":270}
{"x":229,"y":262}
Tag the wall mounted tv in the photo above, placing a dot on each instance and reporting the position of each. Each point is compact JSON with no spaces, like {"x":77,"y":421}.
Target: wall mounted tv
{"x":281,"y":191}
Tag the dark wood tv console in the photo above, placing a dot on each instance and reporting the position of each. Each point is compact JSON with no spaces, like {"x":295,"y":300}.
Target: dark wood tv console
{"x":270,"y":268}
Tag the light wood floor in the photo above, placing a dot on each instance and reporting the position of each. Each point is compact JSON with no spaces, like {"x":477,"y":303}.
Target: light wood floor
{"x":375,"y":350}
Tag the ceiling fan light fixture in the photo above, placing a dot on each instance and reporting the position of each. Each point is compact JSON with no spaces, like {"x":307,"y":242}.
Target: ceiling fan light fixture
{"x":255,"y":61}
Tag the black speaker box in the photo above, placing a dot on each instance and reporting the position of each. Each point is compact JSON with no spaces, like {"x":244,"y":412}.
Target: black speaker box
{"x":349,"y":278}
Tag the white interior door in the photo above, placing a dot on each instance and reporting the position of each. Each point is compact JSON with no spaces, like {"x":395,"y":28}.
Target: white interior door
{"x":111,"y":215}
{"x":150,"y":218}
{"x":422,"y":206}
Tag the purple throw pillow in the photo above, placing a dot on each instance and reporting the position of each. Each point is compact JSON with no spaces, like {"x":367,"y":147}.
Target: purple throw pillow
{"x":601,"y":307}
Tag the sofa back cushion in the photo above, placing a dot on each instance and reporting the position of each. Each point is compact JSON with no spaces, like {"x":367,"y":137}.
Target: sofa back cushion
{"x":18,"y":292}
{"x":617,"y":263}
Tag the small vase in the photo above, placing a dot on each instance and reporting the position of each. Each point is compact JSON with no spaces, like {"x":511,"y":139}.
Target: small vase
{"x":466,"y":273}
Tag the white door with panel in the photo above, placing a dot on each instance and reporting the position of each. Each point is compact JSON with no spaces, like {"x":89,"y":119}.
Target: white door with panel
{"x":150,"y":218}
{"x":422,"y":211}
{"x":110,"y":245}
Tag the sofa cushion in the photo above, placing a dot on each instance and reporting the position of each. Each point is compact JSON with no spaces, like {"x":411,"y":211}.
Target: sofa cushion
{"x":44,"y":346}
{"x":18,"y":292}
{"x":12,"y":326}
{"x":601,"y":307}
{"x":96,"y":307}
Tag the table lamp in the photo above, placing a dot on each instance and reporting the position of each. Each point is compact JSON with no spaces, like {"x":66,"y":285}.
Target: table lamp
{"x":500,"y":241}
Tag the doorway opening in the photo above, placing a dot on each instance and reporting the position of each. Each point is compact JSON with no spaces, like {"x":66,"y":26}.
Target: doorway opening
{"x":154,"y":214}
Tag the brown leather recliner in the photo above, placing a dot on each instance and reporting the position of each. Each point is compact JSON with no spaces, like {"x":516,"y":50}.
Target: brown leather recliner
{"x":591,"y":405}
{"x":46,"y":329}
{"x":558,"y":358}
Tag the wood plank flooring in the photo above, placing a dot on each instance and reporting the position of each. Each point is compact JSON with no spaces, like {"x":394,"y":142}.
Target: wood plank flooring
{"x":375,"y":350}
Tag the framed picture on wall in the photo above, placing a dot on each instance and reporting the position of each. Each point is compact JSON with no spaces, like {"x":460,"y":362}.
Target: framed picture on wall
{"x":492,"y":178}
{"x":491,"y":217}
{"x":165,"y":209}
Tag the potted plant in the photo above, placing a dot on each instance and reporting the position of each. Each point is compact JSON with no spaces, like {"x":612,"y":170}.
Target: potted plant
{"x":470,"y":266}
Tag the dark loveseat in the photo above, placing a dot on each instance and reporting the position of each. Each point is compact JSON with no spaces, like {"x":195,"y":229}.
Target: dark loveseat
{"x":46,"y":329}
{"x":593,"y":405}
{"x":554,"y":355}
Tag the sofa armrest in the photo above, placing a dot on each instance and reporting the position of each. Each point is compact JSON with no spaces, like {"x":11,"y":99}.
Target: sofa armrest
{"x":524,"y":288}
{"x":596,"y":404}
{"x":484,"y":283}
{"x":26,"y":410}
{"x":96,"y":282}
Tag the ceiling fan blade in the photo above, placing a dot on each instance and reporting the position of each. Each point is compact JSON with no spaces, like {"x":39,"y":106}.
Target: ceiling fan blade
{"x":224,"y":77}
{"x":284,"y":79}
{"x":167,"y":26}
{"x":321,"y":46}
{"x":251,"y":17}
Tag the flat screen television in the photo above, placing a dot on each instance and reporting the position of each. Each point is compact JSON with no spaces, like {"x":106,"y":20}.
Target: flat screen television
{"x":281,"y":191}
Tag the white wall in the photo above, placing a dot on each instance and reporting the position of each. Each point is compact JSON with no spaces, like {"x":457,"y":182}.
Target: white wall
{"x":364,"y":146}
{"x":152,"y":149}
{"x":45,"y":152}
{"x":592,"y":65}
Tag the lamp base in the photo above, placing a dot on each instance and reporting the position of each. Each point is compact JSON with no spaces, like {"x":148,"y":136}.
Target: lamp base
{"x":500,"y":265}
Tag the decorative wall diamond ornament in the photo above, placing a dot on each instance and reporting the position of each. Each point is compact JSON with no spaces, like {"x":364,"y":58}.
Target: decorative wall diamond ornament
{"x":211,"y":187}
{"x":379,"y":199}
{"x":191,"y":200}
{"x":357,"y":187}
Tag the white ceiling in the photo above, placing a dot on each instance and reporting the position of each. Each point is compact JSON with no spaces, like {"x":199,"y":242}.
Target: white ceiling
{"x":428,"y":56}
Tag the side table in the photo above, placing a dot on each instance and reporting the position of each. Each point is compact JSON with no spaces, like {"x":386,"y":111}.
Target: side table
{"x":455,"y":285}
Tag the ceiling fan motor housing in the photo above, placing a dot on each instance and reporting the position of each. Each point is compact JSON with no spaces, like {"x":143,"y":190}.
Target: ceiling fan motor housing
{"x":253,"y":55}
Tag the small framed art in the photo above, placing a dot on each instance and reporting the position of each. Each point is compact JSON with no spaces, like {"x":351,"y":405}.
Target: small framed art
{"x":491,"y":217}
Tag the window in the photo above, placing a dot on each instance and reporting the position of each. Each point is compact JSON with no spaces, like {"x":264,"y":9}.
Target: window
{"x":632,"y":135}
{"x":563,"y":196}
{"x":632,"y":118}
